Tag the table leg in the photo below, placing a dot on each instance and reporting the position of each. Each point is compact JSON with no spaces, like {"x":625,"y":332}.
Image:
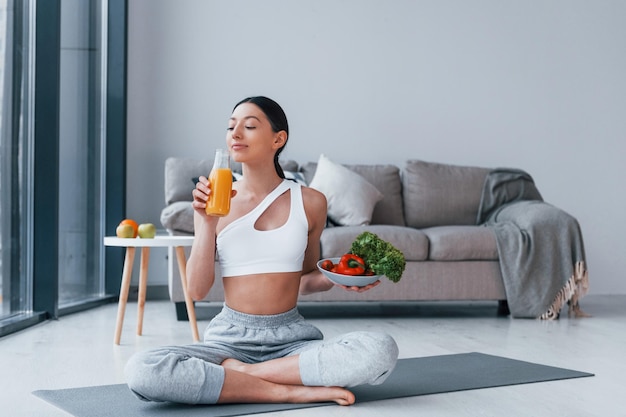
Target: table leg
{"x":126,"y":276}
{"x":143,"y":286}
{"x":191,"y":311}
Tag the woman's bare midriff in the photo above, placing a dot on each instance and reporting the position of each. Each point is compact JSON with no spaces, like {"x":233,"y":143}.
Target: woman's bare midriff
{"x":263,"y":294}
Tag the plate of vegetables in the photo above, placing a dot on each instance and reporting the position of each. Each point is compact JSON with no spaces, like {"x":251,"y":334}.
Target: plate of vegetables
{"x":348,"y":270}
{"x":369,"y":259}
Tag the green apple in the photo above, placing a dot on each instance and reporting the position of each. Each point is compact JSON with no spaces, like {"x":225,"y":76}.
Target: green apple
{"x":146,"y":230}
{"x":125,"y":231}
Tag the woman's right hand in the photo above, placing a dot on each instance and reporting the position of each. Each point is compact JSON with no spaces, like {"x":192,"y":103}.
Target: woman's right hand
{"x":201,"y":195}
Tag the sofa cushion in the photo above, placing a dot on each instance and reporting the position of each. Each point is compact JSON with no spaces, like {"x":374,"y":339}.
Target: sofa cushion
{"x":412,"y":243}
{"x":179,"y":174}
{"x":386,"y":178}
{"x":288,"y":165}
{"x":441,"y":194}
{"x":461,"y":243}
{"x":351,"y":198}
{"x":178,"y":216}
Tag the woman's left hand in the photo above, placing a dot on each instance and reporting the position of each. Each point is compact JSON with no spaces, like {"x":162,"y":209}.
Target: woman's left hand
{"x":360,"y":289}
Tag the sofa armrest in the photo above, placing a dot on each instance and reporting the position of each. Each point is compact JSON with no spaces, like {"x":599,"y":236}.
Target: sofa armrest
{"x":178,"y":217}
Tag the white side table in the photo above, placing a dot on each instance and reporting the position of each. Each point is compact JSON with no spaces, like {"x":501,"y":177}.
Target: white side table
{"x":179,"y":243}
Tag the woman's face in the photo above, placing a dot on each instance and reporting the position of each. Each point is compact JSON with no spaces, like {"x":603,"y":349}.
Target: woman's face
{"x":249,"y":135}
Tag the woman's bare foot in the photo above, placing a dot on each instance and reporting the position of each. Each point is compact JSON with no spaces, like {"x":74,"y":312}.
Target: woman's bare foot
{"x":234,"y":364}
{"x":304,"y":394}
{"x":284,"y":371}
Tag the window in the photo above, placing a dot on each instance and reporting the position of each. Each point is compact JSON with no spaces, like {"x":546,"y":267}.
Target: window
{"x":56,"y":58}
{"x":81,"y":143}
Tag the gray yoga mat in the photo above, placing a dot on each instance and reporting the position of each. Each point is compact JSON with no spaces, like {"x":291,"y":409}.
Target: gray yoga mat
{"x":413,"y":376}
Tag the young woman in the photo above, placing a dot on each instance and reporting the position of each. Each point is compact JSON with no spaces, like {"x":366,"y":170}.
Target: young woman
{"x":259,"y":348}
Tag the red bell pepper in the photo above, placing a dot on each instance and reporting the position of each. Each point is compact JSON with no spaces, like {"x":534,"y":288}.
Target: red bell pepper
{"x":350,"y":264}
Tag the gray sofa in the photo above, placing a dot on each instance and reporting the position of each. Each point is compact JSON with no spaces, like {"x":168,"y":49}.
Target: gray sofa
{"x":428,"y":211}
{"x":468,"y":233}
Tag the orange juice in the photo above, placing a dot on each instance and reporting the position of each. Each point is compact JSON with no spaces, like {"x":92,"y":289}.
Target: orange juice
{"x":221,"y":180}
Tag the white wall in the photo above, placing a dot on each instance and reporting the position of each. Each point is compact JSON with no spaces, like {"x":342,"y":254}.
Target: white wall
{"x":525,"y":84}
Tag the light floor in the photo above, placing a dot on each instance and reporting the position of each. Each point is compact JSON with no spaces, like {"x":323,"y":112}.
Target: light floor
{"x":78,"y":350}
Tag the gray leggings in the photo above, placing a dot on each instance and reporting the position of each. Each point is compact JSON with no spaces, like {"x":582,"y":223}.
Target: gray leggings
{"x":192,"y":374}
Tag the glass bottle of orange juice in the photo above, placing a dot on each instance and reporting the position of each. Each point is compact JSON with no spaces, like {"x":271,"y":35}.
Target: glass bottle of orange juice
{"x":221,"y":180}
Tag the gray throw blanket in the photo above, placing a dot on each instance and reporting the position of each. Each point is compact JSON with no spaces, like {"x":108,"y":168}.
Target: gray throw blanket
{"x":542,"y":257}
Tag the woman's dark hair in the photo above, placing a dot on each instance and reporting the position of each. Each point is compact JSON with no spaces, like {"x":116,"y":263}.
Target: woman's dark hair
{"x":277,"y":119}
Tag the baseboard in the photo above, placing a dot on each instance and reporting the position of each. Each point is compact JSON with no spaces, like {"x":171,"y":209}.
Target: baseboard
{"x":153,"y":292}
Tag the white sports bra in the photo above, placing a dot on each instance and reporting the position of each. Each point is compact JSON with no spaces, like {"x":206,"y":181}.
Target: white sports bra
{"x":244,"y":250}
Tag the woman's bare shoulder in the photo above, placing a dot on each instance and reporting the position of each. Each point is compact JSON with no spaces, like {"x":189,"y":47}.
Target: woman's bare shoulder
{"x":315,"y":206}
{"x":313,"y":198}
